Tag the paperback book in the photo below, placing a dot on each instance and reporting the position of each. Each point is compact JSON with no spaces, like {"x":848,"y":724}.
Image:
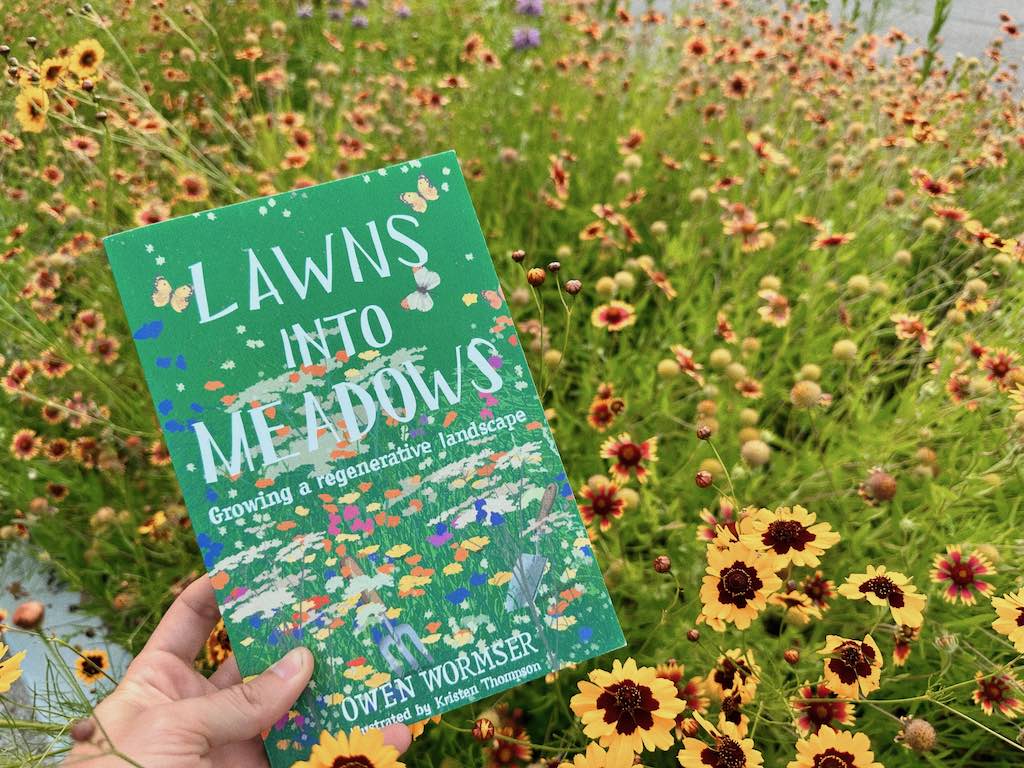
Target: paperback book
{"x":365,"y":460}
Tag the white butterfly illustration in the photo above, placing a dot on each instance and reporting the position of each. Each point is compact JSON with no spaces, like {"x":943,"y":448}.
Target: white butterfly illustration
{"x":420,"y":300}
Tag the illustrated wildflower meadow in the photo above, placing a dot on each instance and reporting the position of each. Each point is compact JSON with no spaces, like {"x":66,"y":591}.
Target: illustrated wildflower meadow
{"x":765,"y":266}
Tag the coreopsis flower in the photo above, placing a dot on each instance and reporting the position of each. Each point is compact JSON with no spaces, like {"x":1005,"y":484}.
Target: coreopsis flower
{"x":217,"y":647}
{"x":601,"y":503}
{"x":931,"y":185}
{"x":727,"y":750}
{"x":902,"y":642}
{"x":910,"y":327}
{"x":630,"y":457}
{"x":776,"y":309}
{"x":818,"y":706}
{"x":999,"y":364}
{"x":594,"y":757}
{"x":365,"y":749}
{"x":92,"y":666}
{"x":831,"y":240}
{"x":1010,"y":617}
{"x":10,"y":668}
{"x":509,"y":753}
{"x":605,"y":408}
{"x":25,"y":444}
{"x":735,"y":672}
{"x":962,"y":575}
{"x":85,"y":58}
{"x":613,"y":316}
{"x":791,"y":533}
{"x":797,"y":606}
{"x":689,"y":366}
{"x":737,"y":584}
{"x":627,"y":710}
{"x":1002,"y":691}
{"x":737,"y":86}
{"x":30,"y":108}
{"x":52,"y":72}
{"x":887,"y":588}
{"x":829,"y":748}
{"x":723,"y":328}
{"x":852,"y":668}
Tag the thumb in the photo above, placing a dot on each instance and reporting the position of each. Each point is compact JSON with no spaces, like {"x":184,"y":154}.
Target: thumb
{"x":243,"y":711}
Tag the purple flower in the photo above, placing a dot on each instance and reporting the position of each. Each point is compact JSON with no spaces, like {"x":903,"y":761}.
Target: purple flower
{"x":525,"y":37}
{"x":360,"y":22}
{"x":403,"y":11}
{"x":304,"y":11}
{"x":530,"y":7}
{"x":359,"y":3}
{"x":335,"y":14}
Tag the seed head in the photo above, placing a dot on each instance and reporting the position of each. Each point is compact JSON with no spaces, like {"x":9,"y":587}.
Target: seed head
{"x":805,"y":394}
{"x":882,"y":485}
{"x":83,"y":730}
{"x":917,"y":734}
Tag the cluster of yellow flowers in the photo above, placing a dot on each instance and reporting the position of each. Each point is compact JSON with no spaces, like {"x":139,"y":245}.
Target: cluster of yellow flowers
{"x":72,"y":69}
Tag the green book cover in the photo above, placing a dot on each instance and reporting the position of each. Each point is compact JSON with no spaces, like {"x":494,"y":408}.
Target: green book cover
{"x":361,"y":448}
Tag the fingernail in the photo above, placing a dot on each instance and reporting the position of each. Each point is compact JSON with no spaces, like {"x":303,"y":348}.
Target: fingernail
{"x":290,"y":664}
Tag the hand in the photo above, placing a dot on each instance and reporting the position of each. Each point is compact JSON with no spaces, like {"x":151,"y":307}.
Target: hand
{"x":165,"y":714}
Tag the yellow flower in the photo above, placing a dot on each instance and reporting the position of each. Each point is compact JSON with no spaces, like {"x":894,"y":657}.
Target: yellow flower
{"x":364,"y":749}
{"x":734,"y":673}
{"x":91,"y":666}
{"x":51,"y":73}
{"x":10,"y":668}
{"x":594,"y":757}
{"x":627,"y":710}
{"x":85,"y":58}
{"x":853,"y":667}
{"x":737,"y":585}
{"x":1010,"y":617}
{"x":729,"y":749}
{"x":891,"y":589}
{"x":844,"y":749}
{"x":30,"y":108}
{"x":792,"y":534}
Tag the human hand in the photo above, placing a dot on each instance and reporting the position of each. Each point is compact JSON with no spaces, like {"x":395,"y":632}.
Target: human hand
{"x":165,"y":714}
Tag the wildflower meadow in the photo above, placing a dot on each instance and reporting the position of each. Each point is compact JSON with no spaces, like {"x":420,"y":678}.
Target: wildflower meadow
{"x":767,"y":270}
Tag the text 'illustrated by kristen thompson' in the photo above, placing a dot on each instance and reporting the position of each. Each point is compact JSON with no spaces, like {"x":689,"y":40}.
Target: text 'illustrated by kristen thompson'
{"x":363,"y":454}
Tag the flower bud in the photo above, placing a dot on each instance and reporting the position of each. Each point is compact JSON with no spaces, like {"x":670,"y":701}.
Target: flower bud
{"x":483,"y":730}
{"x":535,"y":276}
{"x":693,"y":635}
{"x":703,"y":432}
{"x":662,"y":564}
{"x":792,"y":656}
{"x":518,"y":256}
{"x":572,"y":287}
{"x":703,"y":479}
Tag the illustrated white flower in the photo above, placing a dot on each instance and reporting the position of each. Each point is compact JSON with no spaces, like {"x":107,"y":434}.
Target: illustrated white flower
{"x":420,"y":299}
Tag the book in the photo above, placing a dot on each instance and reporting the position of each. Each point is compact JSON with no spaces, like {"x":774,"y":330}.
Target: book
{"x":366,"y":463}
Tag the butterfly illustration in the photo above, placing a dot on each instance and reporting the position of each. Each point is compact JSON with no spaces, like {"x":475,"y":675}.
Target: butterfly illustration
{"x":425,"y":192}
{"x":420,"y":300}
{"x":178,"y":297}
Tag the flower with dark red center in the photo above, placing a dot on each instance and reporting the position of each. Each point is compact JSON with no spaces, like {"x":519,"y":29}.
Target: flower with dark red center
{"x":735,"y":672}
{"x":726,"y":519}
{"x":853,"y":668}
{"x":602,"y":503}
{"x":999,"y":363}
{"x":962,"y":575}
{"x":613,"y":316}
{"x":691,"y":691}
{"x":506,"y":752}
{"x":738,"y":583}
{"x":887,"y":588}
{"x":999,"y":691}
{"x":91,"y":666}
{"x":904,"y":637}
{"x":628,"y":708}
{"x":830,"y":748}
{"x":792,"y":534}
{"x":25,"y":444}
{"x":818,"y":706}
{"x":728,"y":750}
{"x":355,"y":749}
{"x":831,"y":240}
{"x":1010,"y":617}
{"x":630,"y":457}
{"x":819,"y":589}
